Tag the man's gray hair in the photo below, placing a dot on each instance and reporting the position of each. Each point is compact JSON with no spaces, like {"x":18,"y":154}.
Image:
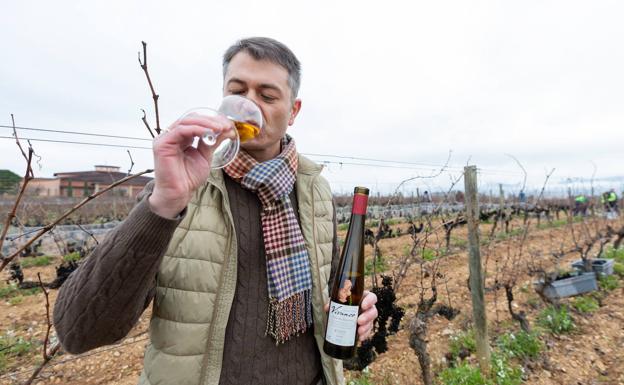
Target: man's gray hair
{"x":264,"y":48}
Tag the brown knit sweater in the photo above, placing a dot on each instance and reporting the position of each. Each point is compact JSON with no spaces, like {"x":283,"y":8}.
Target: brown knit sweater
{"x":103,"y":299}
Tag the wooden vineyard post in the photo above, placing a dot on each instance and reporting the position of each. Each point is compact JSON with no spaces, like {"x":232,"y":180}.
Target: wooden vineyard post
{"x":476,"y":275}
{"x":501,"y":204}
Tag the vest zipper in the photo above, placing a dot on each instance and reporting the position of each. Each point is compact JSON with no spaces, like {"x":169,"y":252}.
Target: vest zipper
{"x":219,"y":293}
{"x":318,"y":269}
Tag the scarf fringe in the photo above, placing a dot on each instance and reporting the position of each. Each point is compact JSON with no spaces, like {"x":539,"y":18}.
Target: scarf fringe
{"x":290,"y":317}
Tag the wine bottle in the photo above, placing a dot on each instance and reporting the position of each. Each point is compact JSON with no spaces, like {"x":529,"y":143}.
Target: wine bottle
{"x":346,"y":292}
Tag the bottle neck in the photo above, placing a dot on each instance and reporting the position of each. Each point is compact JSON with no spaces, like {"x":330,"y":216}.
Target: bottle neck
{"x":358,"y":214}
{"x":360,"y":201}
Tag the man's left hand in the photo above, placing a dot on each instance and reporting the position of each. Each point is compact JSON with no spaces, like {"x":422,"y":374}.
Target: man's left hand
{"x":367,"y":316}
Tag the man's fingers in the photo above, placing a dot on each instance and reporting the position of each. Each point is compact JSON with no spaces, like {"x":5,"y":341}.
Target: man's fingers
{"x":369,"y":300}
{"x":218,"y":125}
{"x":326,"y":307}
{"x":182,"y":135}
{"x":367,"y":316}
{"x":364,"y":332}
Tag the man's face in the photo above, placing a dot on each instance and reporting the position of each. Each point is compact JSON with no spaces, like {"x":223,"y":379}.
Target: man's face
{"x":265,"y":83}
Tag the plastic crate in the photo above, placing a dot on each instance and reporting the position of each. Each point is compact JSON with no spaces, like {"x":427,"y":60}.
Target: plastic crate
{"x":601,"y":266}
{"x":567,"y":287}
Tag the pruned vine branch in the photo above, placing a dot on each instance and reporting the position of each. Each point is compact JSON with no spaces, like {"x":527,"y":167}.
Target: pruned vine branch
{"x":28,"y":175}
{"x":131,"y":163}
{"x":154,"y":94}
{"x":144,"y":119}
{"x":47,"y":355}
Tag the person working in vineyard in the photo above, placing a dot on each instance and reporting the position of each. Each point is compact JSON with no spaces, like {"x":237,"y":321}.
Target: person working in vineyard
{"x":580,"y":205}
{"x":610,"y":201}
{"x":198,"y":243}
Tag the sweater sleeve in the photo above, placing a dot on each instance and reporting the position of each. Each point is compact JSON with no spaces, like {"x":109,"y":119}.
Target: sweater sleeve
{"x":103,"y":299}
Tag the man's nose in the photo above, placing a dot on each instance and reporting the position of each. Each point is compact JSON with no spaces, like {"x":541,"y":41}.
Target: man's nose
{"x":256,"y":98}
{"x":253,"y":96}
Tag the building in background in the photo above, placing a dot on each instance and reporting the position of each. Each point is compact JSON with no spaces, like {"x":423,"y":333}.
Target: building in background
{"x":83,"y":183}
{"x":44,"y":187}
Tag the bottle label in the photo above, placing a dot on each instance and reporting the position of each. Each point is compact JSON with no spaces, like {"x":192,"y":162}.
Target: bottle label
{"x":342,"y":324}
{"x":360,"y":201}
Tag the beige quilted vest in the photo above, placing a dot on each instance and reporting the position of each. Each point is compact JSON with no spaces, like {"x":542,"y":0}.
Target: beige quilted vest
{"x":197,"y":278}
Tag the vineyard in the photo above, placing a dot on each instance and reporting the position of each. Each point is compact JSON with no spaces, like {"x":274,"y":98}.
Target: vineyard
{"x":417,"y":258}
{"x":170,"y":172}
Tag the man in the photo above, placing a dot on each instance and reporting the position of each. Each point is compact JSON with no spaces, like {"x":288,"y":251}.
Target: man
{"x":203,"y":246}
{"x":581,"y":204}
{"x":522,"y":196}
{"x":612,"y":200}
{"x":609,"y":201}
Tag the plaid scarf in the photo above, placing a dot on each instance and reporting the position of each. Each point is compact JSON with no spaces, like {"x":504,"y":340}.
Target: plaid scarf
{"x":288,"y":266}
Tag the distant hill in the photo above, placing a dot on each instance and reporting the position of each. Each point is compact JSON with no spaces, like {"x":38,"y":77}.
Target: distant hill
{"x":9,"y":181}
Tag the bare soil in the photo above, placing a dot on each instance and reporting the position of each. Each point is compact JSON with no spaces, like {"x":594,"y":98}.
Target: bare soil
{"x":592,"y":354}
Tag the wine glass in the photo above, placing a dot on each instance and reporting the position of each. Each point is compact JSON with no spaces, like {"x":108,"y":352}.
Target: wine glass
{"x":247,"y":118}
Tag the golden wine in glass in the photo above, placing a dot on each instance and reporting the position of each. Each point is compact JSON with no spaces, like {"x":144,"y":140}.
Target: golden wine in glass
{"x":247,"y":118}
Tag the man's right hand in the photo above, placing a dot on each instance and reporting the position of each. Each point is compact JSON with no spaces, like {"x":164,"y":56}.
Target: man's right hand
{"x":180,"y":168}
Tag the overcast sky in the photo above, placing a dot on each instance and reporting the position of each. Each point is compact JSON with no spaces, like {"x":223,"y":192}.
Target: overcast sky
{"x":402,"y":81}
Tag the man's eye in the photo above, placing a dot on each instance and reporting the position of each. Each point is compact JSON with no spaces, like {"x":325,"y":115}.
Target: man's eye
{"x":268,"y":98}
{"x":237,"y":92}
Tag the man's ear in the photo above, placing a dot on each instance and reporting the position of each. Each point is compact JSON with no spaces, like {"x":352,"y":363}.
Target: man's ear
{"x":296,"y":107}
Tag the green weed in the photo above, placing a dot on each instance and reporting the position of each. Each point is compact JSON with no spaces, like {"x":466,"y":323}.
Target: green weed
{"x":362,"y":379}
{"x":43,"y":260}
{"x":558,"y":321}
{"x":612,"y":253}
{"x":503,"y":236}
{"x":608,"y":282}
{"x":11,"y":290}
{"x":429,"y":254}
{"x":521,"y":345}
{"x":463,"y":374}
{"x":380,"y":266}
{"x":463,"y":341}
{"x":16,"y":300}
{"x":503,"y":373}
{"x":585,"y":304}
{"x":8,"y":291}
{"x":12,"y":346}
{"x":72,"y":257}
{"x":459,"y":242}
{"x":553,"y":224}
{"x":618,"y":268}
